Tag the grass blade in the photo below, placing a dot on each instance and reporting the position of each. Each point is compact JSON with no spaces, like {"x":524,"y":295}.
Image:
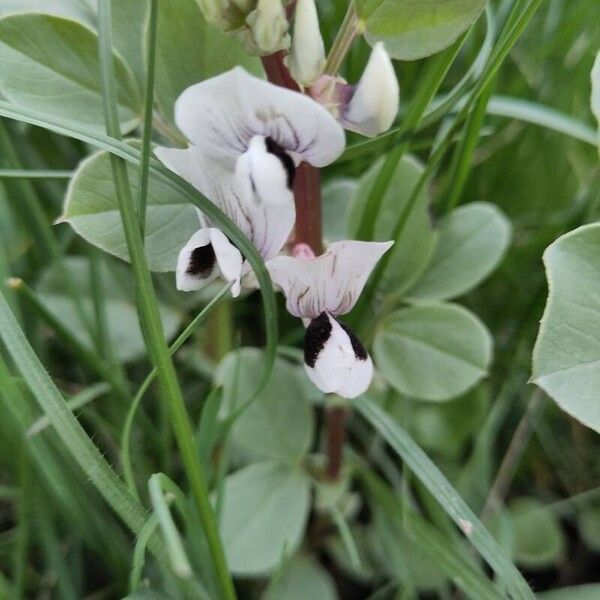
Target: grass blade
{"x":446,"y":495}
{"x":150,"y":319}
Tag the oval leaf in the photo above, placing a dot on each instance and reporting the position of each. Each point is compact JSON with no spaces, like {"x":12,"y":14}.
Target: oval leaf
{"x":433,"y":352}
{"x":538,"y":538}
{"x":92,"y":209}
{"x":566,"y":357}
{"x":473,"y":239}
{"x":264,"y":515}
{"x":411,"y":254}
{"x":289,"y":432}
{"x":50,"y":64}
{"x":413,"y":29}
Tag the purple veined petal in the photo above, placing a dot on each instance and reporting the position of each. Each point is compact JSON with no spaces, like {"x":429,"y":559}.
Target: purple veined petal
{"x":335,"y":360}
{"x":222,"y":114}
{"x":266,"y":224}
{"x":329,"y":283}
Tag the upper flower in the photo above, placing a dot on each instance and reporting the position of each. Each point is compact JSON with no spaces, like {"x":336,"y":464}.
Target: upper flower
{"x":321,"y":289}
{"x":246,"y":138}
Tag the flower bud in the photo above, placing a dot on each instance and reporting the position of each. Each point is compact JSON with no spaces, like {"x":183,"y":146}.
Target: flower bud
{"x":374,"y":104}
{"x":307,"y":55}
{"x":267,"y":28}
{"x":226,"y":15}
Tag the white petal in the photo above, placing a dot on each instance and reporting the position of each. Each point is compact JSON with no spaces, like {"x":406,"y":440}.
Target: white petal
{"x":266,"y":174}
{"x":329,"y":283}
{"x":219,"y":255}
{"x":267,"y":225}
{"x":222,"y":114}
{"x":307,"y":55}
{"x":186,"y":281}
{"x":229,"y":259}
{"x":336,"y":367}
{"x":374,"y":104}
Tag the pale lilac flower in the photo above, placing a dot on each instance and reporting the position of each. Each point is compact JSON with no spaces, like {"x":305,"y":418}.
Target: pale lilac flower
{"x":318,"y":290}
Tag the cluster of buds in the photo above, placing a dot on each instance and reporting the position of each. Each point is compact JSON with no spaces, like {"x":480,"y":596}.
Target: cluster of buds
{"x":261,"y":25}
{"x":246,"y":139}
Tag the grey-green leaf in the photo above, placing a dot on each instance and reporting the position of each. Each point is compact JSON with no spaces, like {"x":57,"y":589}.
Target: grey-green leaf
{"x":301,"y":579}
{"x":411,"y":254}
{"x":92,"y":210}
{"x":279,"y":422}
{"x":538,"y":539}
{"x":264,"y":515}
{"x":566,"y":357}
{"x":121,"y":313}
{"x":50,"y":64}
{"x":433,"y":352}
{"x":337,"y":195}
{"x":473,"y":239}
{"x":413,"y":29}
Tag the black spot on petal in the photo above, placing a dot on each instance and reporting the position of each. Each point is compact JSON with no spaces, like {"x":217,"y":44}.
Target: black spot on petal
{"x":316,"y":336}
{"x":359,"y":349}
{"x":286,"y":160}
{"x":202,"y":261}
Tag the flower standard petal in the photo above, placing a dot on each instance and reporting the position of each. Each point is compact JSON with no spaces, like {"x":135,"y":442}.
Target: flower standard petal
{"x":374,"y":105}
{"x":329,"y":283}
{"x":222,"y":114}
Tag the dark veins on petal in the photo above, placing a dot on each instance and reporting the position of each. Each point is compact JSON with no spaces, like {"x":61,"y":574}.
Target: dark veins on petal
{"x":359,"y":349}
{"x":317,"y":334}
{"x":286,"y":160}
{"x":202,"y":261}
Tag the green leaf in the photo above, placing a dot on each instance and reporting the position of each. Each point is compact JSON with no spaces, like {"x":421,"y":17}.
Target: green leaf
{"x":448,"y":498}
{"x":189,"y":50}
{"x":276,"y":425}
{"x":590,"y":591}
{"x":473,"y":239}
{"x":595,"y":98}
{"x":566,"y":357}
{"x":336,"y":202}
{"x":264,"y":515}
{"x":433,"y":352}
{"x":538,"y":539}
{"x":413,"y":29}
{"x":301,"y":579}
{"x":413,"y":251}
{"x":588,"y":523}
{"x":71,"y":9}
{"x":51,"y":65}
{"x":121,"y":311}
{"x":92,"y":210}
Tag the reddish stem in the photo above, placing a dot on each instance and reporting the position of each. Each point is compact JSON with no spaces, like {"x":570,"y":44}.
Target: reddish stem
{"x":308,"y":230}
{"x":336,"y":433}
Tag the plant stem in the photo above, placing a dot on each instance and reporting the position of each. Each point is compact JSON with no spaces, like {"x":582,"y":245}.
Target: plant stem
{"x":513,"y":455}
{"x":349,"y":29}
{"x":336,"y":434}
{"x":309,"y":230}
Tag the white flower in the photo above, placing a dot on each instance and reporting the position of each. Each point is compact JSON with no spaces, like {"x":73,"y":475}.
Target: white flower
{"x":247,"y":137}
{"x":307,"y":55}
{"x":321,"y":289}
{"x":371,"y":106}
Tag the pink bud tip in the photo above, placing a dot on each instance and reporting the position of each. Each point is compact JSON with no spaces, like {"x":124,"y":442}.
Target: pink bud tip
{"x":303,"y":252}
